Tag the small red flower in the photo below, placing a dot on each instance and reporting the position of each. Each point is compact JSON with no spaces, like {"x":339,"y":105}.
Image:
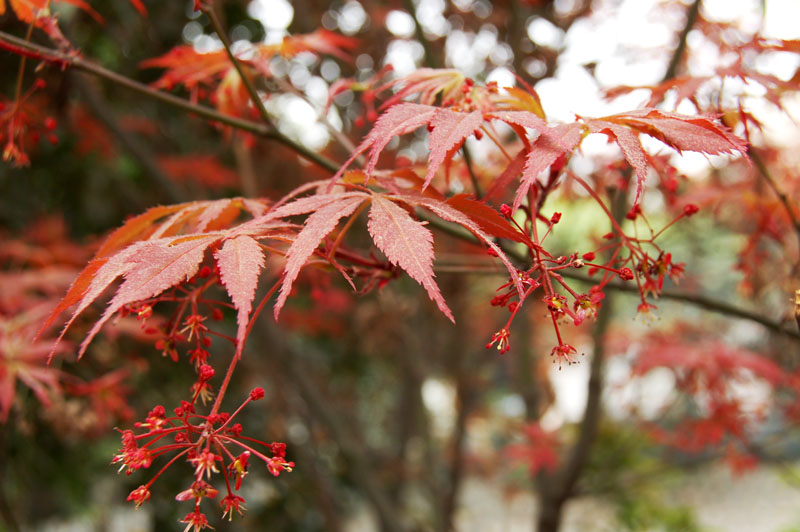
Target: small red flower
{"x":563,"y":352}
{"x":139,"y":495}
{"x":230,"y":503}
{"x":197,"y":520}
{"x":501,"y":339}
{"x":205,"y":463}
{"x":198,"y":490}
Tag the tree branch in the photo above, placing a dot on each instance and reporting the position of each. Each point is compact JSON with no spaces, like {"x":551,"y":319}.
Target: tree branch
{"x":73,"y":59}
{"x":680,"y":49}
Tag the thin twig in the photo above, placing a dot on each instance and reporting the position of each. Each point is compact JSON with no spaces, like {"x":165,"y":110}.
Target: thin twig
{"x":246,"y":81}
{"x":784,"y":199}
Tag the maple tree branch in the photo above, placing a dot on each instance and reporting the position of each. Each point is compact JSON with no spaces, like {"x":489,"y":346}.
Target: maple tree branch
{"x":680,"y":49}
{"x":209,"y":10}
{"x":468,"y":161}
{"x":72,"y":59}
{"x":705,"y":302}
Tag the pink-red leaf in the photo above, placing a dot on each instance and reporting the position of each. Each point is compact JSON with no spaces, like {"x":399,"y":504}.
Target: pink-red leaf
{"x":446,"y":212}
{"x":150,"y":268}
{"x":398,"y":120}
{"x":449,"y":131}
{"x":631,"y":147}
{"x":240,"y":261}
{"x":406,"y":243}
{"x":549,"y":146}
{"x":682,"y":132}
{"x":316,"y":228}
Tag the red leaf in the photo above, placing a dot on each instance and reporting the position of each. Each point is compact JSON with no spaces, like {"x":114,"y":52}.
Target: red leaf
{"x":631,"y":147}
{"x":446,"y":212}
{"x":449,"y":131}
{"x":187,"y":67}
{"x":91,"y":284}
{"x":240,"y":261}
{"x":317,"y":227}
{"x":488,"y":219}
{"x":549,"y":146}
{"x":307,"y":204}
{"x":398,"y":120}
{"x":682,"y":132}
{"x":75,"y":293}
{"x":427,"y":84}
{"x":149,"y":268}
{"x":136,"y":228}
{"x":406,"y":243}
{"x":30,"y":11}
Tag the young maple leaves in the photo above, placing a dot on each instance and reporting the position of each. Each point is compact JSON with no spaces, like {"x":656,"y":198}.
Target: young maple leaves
{"x":156,"y":259}
{"x":450,"y":128}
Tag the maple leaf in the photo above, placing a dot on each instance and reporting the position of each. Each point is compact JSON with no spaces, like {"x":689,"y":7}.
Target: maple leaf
{"x":240,"y":261}
{"x":488,"y":219}
{"x":154,"y":251}
{"x":427,"y":84}
{"x":23,"y":358}
{"x":316,"y":228}
{"x":406,"y":243}
{"x":398,"y":120}
{"x":451,"y":214}
{"x":551,"y":143}
{"x":185,"y":66}
{"x":320,"y":41}
{"x":449,"y":130}
{"x":30,"y":11}
{"x":149,"y":268}
{"x":681,"y":132}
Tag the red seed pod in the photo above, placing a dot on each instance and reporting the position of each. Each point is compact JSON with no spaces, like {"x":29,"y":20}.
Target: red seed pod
{"x":256,"y":394}
{"x":206,"y":373}
{"x":690,"y":209}
{"x":626,"y":274}
{"x":589,"y":255}
{"x":50,"y":123}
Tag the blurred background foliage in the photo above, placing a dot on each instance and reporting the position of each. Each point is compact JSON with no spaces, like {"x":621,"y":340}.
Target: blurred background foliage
{"x":375,"y":392}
